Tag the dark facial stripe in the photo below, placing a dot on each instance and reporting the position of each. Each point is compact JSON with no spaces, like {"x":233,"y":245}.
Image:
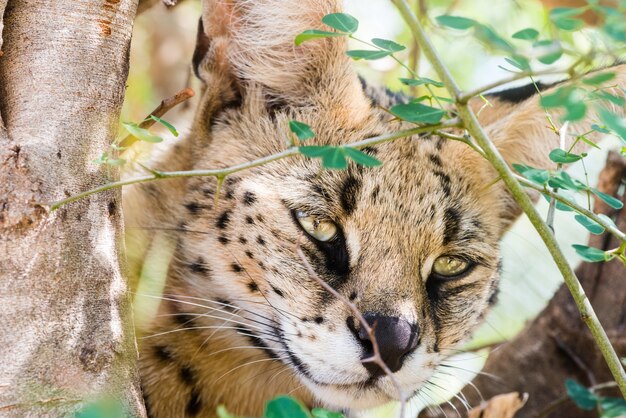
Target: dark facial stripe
{"x":452,"y":225}
{"x":349,"y":193}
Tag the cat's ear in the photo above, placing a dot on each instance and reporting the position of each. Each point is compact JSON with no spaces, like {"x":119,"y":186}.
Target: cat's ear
{"x":250,"y":43}
{"x":520,"y":129}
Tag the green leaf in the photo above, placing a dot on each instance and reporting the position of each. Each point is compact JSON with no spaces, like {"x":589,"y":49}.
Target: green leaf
{"x":324,"y":413}
{"x":456,"y":22}
{"x":591,"y":255}
{"x":528,"y":34}
{"x":563,"y":157}
{"x":417,"y":113}
{"x":519,"y":62}
{"x":574,"y":111}
{"x":608,"y":97}
{"x":562,"y":17}
{"x":558,"y":205}
{"x":562,"y":180}
{"x":598,"y":79}
{"x":285,"y":407}
{"x":562,"y":12}
{"x":488,"y":36}
{"x":388,"y":45}
{"x":302,"y":130}
{"x":342,"y":22}
{"x":568,"y":98}
{"x":307,"y":35}
{"x":534,"y":174}
{"x":141,"y":133}
{"x":613,"y":122}
{"x":591,"y":225}
{"x":568,"y":24}
{"x":361,"y":158}
{"x":612,"y":407}
{"x":165,"y":123}
{"x":600,"y":129}
{"x":607,"y":220}
{"x":556,"y":99}
{"x":420,"y":81}
{"x":360,"y":54}
{"x":551,"y":57}
{"x":609,"y":200}
{"x":332,"y":157}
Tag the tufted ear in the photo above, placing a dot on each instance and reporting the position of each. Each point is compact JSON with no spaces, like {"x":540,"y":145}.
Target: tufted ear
{"x":518,"y":126}
{"x":249,"y":43}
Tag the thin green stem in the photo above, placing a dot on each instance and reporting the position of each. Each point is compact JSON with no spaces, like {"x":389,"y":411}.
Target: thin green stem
{"x":493,"y":155}
{"x":222,"y":173}
{"x":580,"y":209}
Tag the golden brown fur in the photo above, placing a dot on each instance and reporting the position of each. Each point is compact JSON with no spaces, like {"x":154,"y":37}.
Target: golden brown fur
{"x":241,"y":321}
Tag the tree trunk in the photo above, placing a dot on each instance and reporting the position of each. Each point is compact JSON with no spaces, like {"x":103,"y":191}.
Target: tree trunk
{"x":66,"y":334}
{"x":557,"y":345}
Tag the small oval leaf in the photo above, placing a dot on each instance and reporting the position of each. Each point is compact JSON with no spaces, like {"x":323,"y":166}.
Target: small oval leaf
{"x":342,"y":22}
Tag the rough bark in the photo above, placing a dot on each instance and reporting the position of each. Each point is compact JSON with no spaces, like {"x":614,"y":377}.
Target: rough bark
{"x":557,"y":345}
{"x":66,"y":334}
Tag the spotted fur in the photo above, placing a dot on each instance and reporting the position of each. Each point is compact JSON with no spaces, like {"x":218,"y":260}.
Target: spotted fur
{"x":240,"y":320}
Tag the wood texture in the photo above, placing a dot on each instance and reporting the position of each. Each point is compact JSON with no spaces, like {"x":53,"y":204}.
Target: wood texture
{"x":65,"y":326}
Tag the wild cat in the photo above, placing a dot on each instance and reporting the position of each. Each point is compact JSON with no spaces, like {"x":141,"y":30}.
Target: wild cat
{"x":414,"y":243}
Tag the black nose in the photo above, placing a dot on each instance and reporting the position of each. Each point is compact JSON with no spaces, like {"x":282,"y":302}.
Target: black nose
{"x":396,"y":338}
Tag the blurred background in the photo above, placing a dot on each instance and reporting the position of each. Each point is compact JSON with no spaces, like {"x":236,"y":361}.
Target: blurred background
{"x":163,"y":43}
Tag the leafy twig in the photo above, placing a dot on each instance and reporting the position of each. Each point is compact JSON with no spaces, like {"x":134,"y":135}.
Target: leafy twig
{"x":583,"y":211}
{"x":289,"y":152}
{"x":471,"y":123}
{"x":164,"y":107}
{"x":376,"y":357}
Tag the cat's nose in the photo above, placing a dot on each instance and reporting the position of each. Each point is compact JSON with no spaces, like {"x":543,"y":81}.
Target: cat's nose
{"x":396,"y":338}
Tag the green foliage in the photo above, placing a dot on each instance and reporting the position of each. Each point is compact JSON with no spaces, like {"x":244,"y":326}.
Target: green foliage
{"x":301,"y":130}
{"x":140,"y":133}
{"x":588,"y":400}
{"x":562,"y":18}
{"x":590,"y":254}
{"x":284,"y":406}
{"x":536,"y":175}
{"x":388,"y":45}
{"x":337,"y":157}
{"x":360,"y":54}
{"x":417,"y":113}
{"x":342,"y":22}
{"x":563,"y":157}
{"x":456,"y":22}
{"x":310,"y":34}
{"x":583,"y":397}
{"x":589,"y":224}
{"x":165,"y":123}
{"x":528,"y":34}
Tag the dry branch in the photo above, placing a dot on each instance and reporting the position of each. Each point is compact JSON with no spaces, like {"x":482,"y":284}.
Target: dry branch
{"x":164,"y":107}
{"x":376,"y":357}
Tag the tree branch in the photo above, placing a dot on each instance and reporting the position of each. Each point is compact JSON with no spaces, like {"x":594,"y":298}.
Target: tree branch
{"x":493,"y":155}
{"x":164,"y":107}
{"x":222,"y":173}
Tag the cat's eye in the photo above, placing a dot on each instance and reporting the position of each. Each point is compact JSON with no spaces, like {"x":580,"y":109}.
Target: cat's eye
{"x":450,"y":267}
{"x":320,"y":229}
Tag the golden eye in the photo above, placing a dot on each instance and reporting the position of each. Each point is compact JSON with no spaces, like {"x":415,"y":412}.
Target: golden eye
{"x":321,"y":230}
{"x":450,"y":266}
